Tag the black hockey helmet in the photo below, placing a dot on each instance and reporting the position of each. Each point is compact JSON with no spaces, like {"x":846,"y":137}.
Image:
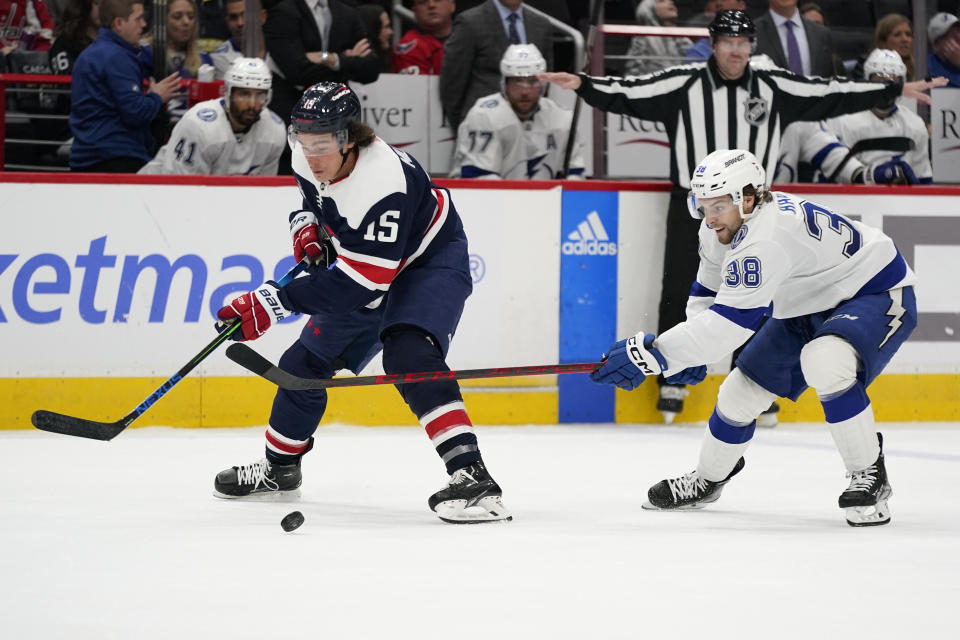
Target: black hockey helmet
{"x":732,"y":22}
{"x":326,"y":107}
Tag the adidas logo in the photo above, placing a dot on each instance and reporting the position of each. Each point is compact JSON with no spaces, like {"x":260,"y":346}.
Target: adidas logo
{"x":590,"y":239}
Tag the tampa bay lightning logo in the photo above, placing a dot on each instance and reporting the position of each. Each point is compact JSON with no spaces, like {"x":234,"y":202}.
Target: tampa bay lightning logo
{"x":207,"y":115}
{"x":739,"y":236}
{"x":478,"y":268}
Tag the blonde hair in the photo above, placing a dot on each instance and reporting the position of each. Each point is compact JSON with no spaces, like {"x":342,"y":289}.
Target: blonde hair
{"x":885,"y":27}
{"x":191,"y":60}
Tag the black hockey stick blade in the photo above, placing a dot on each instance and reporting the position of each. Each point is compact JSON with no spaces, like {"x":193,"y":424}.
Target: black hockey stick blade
{"x":70,"y":426}
{"x":253,"y":361}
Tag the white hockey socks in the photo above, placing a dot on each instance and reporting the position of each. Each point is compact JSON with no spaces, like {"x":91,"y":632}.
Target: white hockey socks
{"x":723,"y":444}
{"x":732,"y":424}
{"x":829,"y":364}
{"x":850,"y":418}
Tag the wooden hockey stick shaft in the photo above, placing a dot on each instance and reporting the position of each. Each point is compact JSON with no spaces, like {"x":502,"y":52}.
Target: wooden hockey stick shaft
{"x":72,"y":426}
{"x":253,"y":361}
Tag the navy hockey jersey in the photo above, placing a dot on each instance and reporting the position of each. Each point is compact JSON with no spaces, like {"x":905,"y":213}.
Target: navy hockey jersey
{"x":381,"y":218}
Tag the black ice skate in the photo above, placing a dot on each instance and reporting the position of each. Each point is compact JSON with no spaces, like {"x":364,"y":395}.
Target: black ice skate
{"x":670,"y":402}
{"x":471,"y":496}
{"x":865,"y":500}
{"x":260,"y":480}
{"x":689,"y":491}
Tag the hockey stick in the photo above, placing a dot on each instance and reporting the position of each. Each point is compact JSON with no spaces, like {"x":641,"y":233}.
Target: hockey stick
{"x":585,"y":66}
{"x":253,"y":361}
{"x":71,"y":426}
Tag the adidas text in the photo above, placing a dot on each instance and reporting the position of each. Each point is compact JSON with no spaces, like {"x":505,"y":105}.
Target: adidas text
{"x":589,"y":239}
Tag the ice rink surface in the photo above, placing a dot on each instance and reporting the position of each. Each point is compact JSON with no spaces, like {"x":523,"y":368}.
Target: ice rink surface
{"x":124,"y":540}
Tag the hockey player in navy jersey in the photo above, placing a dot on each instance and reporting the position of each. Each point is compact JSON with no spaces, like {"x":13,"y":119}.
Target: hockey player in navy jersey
{"x":397,"y":280}
{"x":840,"y":302}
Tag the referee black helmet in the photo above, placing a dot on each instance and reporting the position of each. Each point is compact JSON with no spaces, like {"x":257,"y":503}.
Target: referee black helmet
{"x":734,"y":23}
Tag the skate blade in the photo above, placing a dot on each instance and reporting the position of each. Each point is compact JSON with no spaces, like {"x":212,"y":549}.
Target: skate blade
{"x":649,"y":506}
{"x":871,"y":516}
{"x":488,"y":509}
{"x":263,"y":496}
{"x":668,"y":416}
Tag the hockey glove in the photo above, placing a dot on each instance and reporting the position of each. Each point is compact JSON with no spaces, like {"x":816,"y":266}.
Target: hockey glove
{"x":255,"y":310}
{"x":894,"y":171}
{"x":305,"y":232}
{"x":690,"y":375}
{"x":629,"y":362}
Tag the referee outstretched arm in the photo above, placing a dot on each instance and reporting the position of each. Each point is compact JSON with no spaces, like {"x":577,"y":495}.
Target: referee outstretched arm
{"x":727,"y":103}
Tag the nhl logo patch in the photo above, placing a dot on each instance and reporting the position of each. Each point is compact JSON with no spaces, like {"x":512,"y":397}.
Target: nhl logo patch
{"x":755,"y":111}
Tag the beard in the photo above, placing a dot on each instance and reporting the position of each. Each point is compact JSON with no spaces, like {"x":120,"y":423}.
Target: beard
{"x":244,"y":117}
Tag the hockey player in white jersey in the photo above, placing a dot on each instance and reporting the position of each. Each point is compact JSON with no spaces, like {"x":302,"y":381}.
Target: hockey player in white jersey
{"x":517,"y":134}
{"x":883,"y":145}
{"x":233,"y":135}
{"x":840,"y":302}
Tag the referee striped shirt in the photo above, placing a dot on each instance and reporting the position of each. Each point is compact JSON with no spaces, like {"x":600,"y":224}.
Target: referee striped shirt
{"x":704,"y":112}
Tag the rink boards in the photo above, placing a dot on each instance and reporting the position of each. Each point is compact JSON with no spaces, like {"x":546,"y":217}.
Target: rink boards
{"x":107,"y":288}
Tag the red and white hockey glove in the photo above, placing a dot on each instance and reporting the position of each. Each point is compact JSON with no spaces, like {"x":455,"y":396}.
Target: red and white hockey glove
{"x":256,"y":311}
{"x":305,"y":232}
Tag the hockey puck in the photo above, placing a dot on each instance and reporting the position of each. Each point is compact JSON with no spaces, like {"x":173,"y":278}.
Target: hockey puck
{"x":291,"y":521}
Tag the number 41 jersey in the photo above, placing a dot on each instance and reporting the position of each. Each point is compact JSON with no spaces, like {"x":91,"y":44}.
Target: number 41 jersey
{"x":791,"y":258}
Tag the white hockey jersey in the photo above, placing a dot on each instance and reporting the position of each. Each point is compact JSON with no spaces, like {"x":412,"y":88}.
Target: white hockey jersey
{"x":902,"y":127}
{"x":203,"y":142}
{"x":813,"y":144}
{"x":492,"y":142}
{"x":792,"y":258}
{"x":825,"y":145}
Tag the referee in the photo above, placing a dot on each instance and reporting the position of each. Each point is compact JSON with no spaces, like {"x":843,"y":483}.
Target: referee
{"x":722,"y":103}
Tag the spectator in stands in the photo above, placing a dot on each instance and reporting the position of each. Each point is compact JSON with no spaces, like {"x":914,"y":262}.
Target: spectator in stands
{"x":310,"y":41}
{"x":75,"y":31}
{"x":472,"y":53}
{"x":183,"y":53}
{"x":376,"y":22}
{"x":420,"y":50}
{"x":811,"y":11}
{"x":25,"y":24}
{"x":516,"y":133}
{"x":111,"y":114}
{"x":943,"y":59}
{"x":701,"y":48}
{"x":224,"y":55}
{"x":794,"y":42}
{"x":233,"y":135}
{"x":212,"y":19}
{"x":652,"y":53}
{"x":894,"y":31}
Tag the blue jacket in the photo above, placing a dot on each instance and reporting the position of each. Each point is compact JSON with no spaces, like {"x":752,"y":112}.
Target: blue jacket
{"x":110,"y":114}
{"x":937,"y":67}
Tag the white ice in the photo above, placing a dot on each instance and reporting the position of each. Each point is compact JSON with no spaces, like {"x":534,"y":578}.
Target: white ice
{"x":124,"y":540}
